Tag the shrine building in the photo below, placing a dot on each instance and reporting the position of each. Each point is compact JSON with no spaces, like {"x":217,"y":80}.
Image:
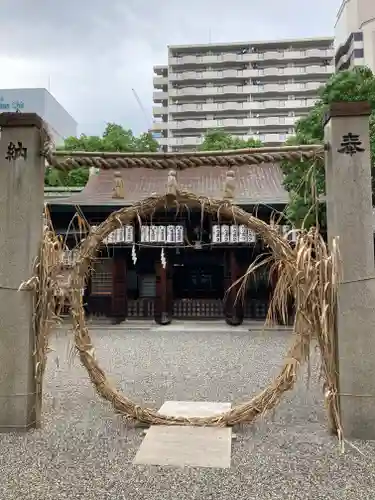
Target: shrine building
{"x":179,"y":263}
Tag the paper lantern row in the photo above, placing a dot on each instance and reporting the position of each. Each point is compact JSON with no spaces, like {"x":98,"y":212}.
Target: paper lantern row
{"x":230,"y":234}
{"x":225,"y":233}
{"x":124,"y":234}
{"x":162,"y":234}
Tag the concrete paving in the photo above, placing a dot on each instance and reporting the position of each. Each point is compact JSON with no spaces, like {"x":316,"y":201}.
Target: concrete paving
{"x":187,"y":446}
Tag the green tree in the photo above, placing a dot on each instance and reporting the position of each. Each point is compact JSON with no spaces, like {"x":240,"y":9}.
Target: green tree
{"x":219,"y":140}
{"x":114,"y":139}
{"x":305,"y":180}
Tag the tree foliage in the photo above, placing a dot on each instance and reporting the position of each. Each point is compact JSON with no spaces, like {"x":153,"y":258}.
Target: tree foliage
{"x":305,"y":180}
{"x":219,"y":140}
{"x":115,"y":138}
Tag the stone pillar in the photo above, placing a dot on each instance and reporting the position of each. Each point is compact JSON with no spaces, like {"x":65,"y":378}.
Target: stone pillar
{"x":21,"y":226}
{"x":119,"y":309}
{"x":350,"y":218}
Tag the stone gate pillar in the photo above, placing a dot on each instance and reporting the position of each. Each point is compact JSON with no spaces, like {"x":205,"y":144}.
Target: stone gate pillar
{"x":21,"y":207}
{"x":350,"y":217}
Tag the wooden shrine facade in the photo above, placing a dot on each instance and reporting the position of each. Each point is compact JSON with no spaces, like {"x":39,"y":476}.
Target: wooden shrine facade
{"x":179,"y":264}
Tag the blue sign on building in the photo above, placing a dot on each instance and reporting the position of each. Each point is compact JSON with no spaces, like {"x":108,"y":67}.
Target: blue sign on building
{"x":11,"y":106}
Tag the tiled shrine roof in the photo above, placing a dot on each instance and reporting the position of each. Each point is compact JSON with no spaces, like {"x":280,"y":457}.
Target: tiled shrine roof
{"x":255,"y":184}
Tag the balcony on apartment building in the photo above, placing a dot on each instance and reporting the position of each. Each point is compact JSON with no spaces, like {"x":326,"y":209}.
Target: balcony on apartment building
{"x":271,"y":121}
{"x":271,"y":55}
{"x":160,"y":82}
{"x":271,"y":88}
{"x":272,"y":104}
{"x":160,"y":96}
{"x":232,"y":74}
{"x":159,"y":111}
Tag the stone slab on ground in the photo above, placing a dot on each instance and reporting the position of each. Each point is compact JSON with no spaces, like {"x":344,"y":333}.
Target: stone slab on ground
{"x":187,"y":446}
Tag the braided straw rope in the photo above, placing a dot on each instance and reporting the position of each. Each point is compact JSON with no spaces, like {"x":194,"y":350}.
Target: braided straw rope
{"x":69,"y":160}
{"x":310,"y":280}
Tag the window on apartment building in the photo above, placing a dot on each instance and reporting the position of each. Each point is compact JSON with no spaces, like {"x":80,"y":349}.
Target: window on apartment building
{"x":199,"y":58}
{"x":199,"y":106}
{"x":219,"y":123}
{"x":219,"y":105}
{"x":219,"y":73}
{"x":199,"y":74}
{"x":262,"y":121}
{"x":301,"y":69}
{"x":281,"y":120}
{"x":291,"y":113}
{"x":282,"y":137}
{"x":239,"y":72}
{"x":291,"y":97}
{"x":282,"y":104}
{"x":282,"y":85}
{"x":281,"y":70}
{"x":302,"y":53}
{"x":220,"y":88}
{"x":239,"y":121}
{"x":261,"y":137}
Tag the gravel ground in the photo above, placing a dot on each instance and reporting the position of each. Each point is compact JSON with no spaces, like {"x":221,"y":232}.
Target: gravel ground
{"x":85,"y":452}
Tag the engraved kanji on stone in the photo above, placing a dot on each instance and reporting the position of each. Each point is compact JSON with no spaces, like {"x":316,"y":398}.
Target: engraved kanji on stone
{"x":16,"y":151}
{"x":350,"y":144}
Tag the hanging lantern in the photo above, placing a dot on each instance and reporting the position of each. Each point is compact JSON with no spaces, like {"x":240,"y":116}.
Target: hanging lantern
{"x":233,"y":233}
{"x":145,"y":234}
{"x":171,"y":234}
{"x":162,"y":234}
{"x":153,"y":234}
{"x":293,"y":235}
{"x":179,"y":234}
{"x":251,"y":236}
{"x":129,"y":234}
{"x":224,"y":233}
{"x":285,"y":230}
{"x":242,"y":234}
{"x":216,"y":234}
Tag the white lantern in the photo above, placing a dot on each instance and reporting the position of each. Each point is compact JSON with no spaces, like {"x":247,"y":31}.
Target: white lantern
{"x":224,"y":233}
{"x":242,"y":234}
{"x":145,"y":234}
{"x":251,"y":236}
{"x":153,"y":234}
{"x":285,"y":230}
{"x":216,"y":235}
{"x":171,"y":234}
{"x":293,"y":235}
{"x":233,"y":233}
{"x":129,"y":234}
{"x":179,"y":234}
{"x":162,"y":234}
{"x":110,"y":237}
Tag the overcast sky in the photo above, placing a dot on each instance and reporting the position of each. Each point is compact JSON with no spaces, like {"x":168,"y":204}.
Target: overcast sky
{"x":93,"y":52}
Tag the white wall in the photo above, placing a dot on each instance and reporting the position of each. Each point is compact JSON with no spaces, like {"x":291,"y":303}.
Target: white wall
{"x":60,"y":123}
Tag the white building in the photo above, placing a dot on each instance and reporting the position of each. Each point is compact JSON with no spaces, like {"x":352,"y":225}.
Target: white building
{"x":60,"y":123}
{"x":256,"y":89}
{"x":355,"y":34}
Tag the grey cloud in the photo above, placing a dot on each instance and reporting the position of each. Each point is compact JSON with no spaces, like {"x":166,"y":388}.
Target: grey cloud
{"x":94,"y":52}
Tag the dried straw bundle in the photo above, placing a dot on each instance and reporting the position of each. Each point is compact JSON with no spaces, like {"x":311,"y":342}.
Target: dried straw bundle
{"x":48,"y":295}
{"x":307,"y":272}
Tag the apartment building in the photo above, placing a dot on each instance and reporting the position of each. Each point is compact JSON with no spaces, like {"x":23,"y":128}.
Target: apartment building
{"x":355,"y":34}
{"x":257,"y":89}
